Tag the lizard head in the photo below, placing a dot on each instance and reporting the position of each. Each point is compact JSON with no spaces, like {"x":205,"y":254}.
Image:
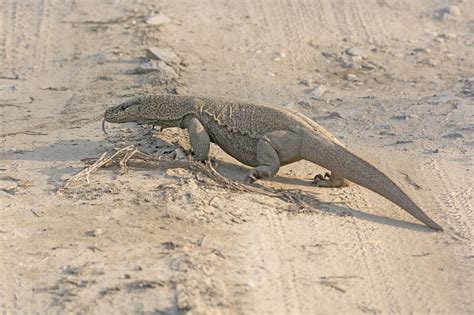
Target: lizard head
{"x":162,"y":110}
{"x":128,"y":111}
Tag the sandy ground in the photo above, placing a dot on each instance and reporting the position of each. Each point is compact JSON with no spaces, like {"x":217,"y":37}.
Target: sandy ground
{"x":392,"y":79}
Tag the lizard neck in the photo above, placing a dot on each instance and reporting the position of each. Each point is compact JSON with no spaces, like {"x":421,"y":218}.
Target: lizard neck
{"x":167,"y":110}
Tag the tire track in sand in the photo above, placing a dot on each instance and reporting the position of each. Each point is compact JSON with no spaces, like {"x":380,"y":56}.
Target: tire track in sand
{"x":454,"y":199}
{"x":287,"y":274}
{"x":26,"y":35}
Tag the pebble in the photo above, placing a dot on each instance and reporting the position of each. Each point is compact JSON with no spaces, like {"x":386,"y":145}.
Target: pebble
{"x":94,"y":233}
{"x":422,"y":50}
{"x":165,"y":54}
{"x":453,"y":10}
{"x":350,"y":77}
{"x":328,"y":54}
{"x":368,"y":66}
{"x":158,"y":19}
{"x":447,"y":35}
{"x":383,"y":125}
{"x":355,"y":51}
{"x":278,"y":56}
{"x":271,"y":74}
{"x":154,"y":66}
{"x":404,"y":116}
{"x":449,"y":12}
{"x":334,"y":115}
{"x":429,"y":62}
{"x":146,"y":67}
{"x":350,"y":65}
{"x":318,"y":91}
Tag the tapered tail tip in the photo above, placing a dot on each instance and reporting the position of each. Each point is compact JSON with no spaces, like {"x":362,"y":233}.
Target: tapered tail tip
{"x":435,"y":226}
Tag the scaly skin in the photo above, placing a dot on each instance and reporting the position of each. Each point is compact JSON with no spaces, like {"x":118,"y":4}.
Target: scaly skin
{"x":263,"y":136}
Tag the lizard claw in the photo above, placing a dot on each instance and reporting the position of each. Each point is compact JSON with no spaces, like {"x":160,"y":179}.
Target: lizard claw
{"x":322,"y":180}
{"x":249,"y":179}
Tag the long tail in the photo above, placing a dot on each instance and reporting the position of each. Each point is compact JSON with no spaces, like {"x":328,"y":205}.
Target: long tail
{"x":338,"y":159}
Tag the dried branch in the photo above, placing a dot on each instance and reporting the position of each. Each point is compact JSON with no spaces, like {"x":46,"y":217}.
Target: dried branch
{"x":131,"y":156}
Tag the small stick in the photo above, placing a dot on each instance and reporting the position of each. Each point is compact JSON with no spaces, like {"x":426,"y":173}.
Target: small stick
{"x":140,"y":159}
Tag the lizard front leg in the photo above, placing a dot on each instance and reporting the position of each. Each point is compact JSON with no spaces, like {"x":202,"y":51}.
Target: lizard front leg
{"x":198,"y":137}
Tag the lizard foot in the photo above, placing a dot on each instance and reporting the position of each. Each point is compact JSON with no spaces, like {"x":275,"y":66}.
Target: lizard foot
{"x":250,"y":178}
{"x":328,"y":180}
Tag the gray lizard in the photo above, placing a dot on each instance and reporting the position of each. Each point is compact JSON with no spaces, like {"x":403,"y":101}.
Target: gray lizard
{"x":263,"y":136}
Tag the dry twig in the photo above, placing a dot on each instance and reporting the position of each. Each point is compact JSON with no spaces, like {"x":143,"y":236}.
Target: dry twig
{"x":131,"y":156}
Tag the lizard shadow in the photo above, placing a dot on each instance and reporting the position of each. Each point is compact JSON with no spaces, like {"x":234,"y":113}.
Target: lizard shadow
{"x":72,"y":150}
{"x":237,"y":172}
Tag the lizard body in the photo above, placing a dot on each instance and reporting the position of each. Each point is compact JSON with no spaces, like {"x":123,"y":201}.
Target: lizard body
{"x":264,"y":137}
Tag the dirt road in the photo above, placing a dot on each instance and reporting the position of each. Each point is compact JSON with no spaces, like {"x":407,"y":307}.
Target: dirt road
{"x":392,"y":79}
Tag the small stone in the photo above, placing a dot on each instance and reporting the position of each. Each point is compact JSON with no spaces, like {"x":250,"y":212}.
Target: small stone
{"x":278,"y":56}
{"x":165,"y":54}
{"x":318,"y":91}
{"x":446,"y":13}
{"x":422,"y":50}
{"x":333,"y":115}
{"x":383,"y":125}
{"x":158,"y":19}
{"x":351,"y":65}
{"x":447,"y":35}
{"x":94,"y":233}
{"x":328,"y":54}
{"x":453,"y":10}
{"x":356,"y":58}
{"x":70,"y":270}
{"x":355,"y":51}
{"x":306,"y":82}
{"x":350,"y":77}
{"x":154,"y":66}
{"x":145,"y":67}
{"x":271,"y":74}
{"x":368,"y":66}
{"x":404,"y":116}
{"x":429,"y":61}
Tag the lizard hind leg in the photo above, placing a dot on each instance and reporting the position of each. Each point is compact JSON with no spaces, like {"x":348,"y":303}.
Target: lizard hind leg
{"x":268,"y":163}
{"x":332,"y":180}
